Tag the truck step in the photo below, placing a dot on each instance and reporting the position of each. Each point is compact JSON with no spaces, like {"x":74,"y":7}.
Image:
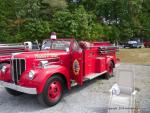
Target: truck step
{"x":73,"y":83}
{"x":93,"y":75}
{"x":87,"y":77}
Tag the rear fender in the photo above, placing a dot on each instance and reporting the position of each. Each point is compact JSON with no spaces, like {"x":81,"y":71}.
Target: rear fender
{"x":50,"y":71}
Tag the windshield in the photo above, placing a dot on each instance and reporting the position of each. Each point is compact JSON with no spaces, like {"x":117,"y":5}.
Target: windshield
{"x":56,"y":44}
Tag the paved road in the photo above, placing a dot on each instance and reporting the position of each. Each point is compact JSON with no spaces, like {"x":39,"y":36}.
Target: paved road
{"x":93,"y":97}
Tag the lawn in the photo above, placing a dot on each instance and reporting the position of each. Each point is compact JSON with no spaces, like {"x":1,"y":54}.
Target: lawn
{"x":135,"y":56}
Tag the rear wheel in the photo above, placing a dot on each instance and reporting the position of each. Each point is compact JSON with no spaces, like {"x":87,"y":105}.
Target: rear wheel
{"x":13,"y":92}
{"x":109,"y":70}
{"x":52,"y":92}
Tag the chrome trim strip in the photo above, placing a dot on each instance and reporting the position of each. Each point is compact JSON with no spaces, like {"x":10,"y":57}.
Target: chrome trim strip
{"x":20,"y":66}
{"x":16,"y":61}
{"x":18,"y":88}
{"x":12,"y":71}
{"x":20,"y":59}
{"x":17,"y":68}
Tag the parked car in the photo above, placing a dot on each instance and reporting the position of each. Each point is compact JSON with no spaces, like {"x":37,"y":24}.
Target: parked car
{"x":146,"y":44}
{"x":132,"y":44}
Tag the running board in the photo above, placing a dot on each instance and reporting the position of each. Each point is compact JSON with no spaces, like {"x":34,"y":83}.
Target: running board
{"x":93,"y":75}
{"x":87,"y":77}
{"x":73,"y":83}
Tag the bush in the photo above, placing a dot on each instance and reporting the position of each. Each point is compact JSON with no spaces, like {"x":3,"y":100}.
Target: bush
{"x":37,"y":29}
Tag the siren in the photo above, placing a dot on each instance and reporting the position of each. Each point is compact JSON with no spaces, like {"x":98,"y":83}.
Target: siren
{"x":53,"y":36}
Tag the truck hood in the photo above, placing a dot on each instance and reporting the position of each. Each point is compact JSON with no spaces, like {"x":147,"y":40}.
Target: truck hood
{"x":39,"y":54}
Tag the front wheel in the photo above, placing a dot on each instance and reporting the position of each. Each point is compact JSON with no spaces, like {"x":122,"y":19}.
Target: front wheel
{"x":109,"y":70}
{"x":52,"y":92}
{"x":13,"y":92}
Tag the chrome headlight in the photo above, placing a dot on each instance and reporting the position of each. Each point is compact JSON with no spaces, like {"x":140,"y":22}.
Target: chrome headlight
{"x":31,"y":74}
{"x":3,"y":69}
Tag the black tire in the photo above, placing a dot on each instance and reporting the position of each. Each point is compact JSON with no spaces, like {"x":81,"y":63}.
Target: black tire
{"x":109,"y":73}
{"x":13,"y":92}
{"x":44,"y":97}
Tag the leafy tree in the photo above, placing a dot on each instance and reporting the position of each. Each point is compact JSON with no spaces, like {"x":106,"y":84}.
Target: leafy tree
{"x":36,"y":29}
{"x":110,"y":20}
{"x":77,"y":24}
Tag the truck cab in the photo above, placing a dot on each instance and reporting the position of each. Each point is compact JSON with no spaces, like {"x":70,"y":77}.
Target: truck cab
{"x":60,"y":64}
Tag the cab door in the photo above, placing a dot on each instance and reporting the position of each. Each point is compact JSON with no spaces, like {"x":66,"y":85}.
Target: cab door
{"x":77,"y":63}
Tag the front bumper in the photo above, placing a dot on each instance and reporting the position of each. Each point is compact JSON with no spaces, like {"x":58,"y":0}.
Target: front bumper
{"x":18,"y":88}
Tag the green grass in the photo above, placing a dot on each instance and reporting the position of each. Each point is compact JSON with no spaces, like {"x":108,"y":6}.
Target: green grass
{"x":135,"y":56}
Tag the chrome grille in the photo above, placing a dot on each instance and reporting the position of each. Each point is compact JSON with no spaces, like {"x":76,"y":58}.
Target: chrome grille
{"x":18,"y":67}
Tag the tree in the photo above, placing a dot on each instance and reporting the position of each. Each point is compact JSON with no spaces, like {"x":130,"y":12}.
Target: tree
{"x":110,"y":20}
{"x":77,"y":24}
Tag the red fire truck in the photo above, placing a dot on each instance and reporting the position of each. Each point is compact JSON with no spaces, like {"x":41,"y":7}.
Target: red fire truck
{"x":61,"y":63}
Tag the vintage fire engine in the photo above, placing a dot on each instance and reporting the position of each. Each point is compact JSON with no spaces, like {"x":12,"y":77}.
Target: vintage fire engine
{"x":61,"y":63}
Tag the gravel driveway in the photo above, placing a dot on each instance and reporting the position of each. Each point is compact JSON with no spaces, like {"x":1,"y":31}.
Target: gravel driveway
{"x":93,"y":97}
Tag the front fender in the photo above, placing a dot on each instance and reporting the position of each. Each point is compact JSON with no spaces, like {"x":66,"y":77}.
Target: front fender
{"x":45,"y":73}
